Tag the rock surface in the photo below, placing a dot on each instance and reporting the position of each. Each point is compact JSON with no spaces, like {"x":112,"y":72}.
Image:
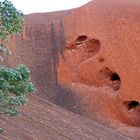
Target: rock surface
{"x":42,"y":120}
{"x":86,"y":60}
{"x":103,"y":50}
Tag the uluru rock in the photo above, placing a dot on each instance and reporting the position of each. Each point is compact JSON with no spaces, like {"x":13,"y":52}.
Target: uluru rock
{"x":103,"y":50}
{"x":42,"y":120}
{"x":87,"y":60}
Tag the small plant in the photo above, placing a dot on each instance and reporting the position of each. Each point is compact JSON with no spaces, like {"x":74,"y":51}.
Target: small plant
{"x":15,"y":83}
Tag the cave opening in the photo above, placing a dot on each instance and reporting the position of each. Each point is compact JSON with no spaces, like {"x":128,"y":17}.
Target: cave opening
{"x":132,"y":104}
{"x":116,"y":81}
{"x":81,"y":38}
{"x":110,"y":78}
{"x":115,"y":77}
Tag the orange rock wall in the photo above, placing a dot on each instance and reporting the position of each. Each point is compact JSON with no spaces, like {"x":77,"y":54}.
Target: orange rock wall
{"x":93,"y":50}
{"x":115,"y":24}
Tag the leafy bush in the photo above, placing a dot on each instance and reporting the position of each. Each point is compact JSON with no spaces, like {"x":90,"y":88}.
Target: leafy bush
{"x":15,"y":83}
{"x":10,"y":19}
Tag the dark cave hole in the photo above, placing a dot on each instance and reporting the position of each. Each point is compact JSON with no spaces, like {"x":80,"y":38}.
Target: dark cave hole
{"x":132,"y":104}
{"x":116,"y":81}
{"x":115,"y":77}
{"x":110,"y":78}
{"x":81,"y":38}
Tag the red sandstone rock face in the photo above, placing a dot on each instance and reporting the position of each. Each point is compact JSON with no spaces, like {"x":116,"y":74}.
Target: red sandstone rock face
{"x":94,"y":52}
{"x":116,"y":25}
{"x":37,"y":47}
{"x":42,"y":120}
{"x":109,"y":53}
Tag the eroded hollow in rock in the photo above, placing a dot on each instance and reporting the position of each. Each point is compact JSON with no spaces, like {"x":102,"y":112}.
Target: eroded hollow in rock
{"x":132,"y":104}
{"x":115,"y":77}
{"x":93,"y":45}
{"x":90,"y":46}
{"x":101,"y":60}
{"x":79,"y":42}
{"x":81,"y":38}
{"x":116,"y":81}
{"x":110,"y":78}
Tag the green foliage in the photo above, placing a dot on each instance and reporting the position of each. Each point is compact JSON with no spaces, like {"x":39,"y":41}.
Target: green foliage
{"x":10,"y":19}
{"x":15,"y":84}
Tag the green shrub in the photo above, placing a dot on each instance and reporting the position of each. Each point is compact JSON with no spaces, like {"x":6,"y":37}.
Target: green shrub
{"x":15,"y":83}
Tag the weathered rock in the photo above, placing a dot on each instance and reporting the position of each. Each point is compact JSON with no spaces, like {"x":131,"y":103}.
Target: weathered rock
{"x":106,"y":55}
{"x":93,"y":53}
{"x":42,"y":120}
